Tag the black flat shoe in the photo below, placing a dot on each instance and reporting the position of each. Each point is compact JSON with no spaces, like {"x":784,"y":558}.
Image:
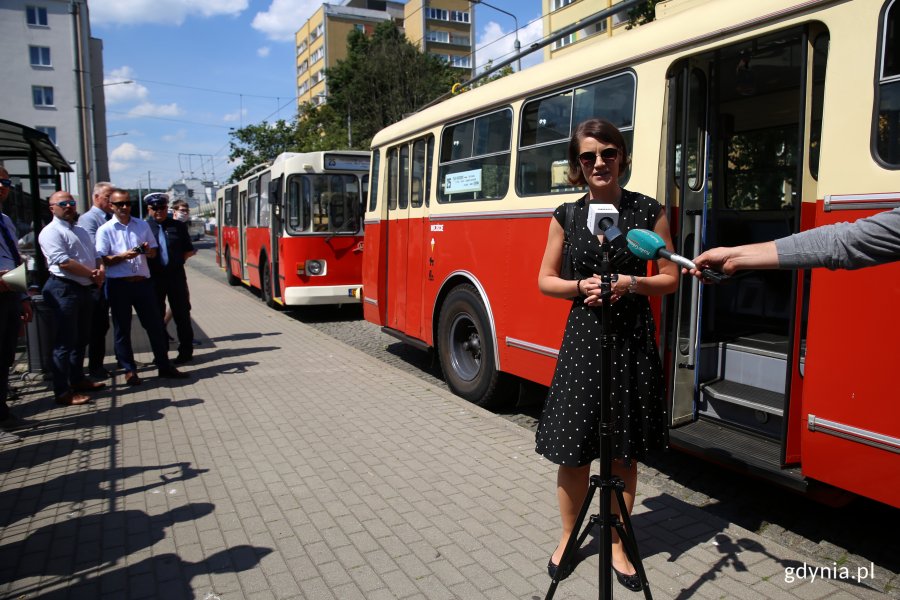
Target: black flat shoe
{"x":629,"y":582}
{"x":553,"y":570}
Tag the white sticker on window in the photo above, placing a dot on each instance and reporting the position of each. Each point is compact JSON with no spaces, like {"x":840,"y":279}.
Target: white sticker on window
{"x":464,"y":181}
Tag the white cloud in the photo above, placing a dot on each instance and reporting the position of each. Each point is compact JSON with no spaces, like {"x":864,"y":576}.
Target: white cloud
{"x":495,"y":43}
{"x":163,"y":12}
{"x":178,"y":136}
{"x":128,"y":152}
{"x":148,"y":109}
{"x":284,"y":17}
{"x":263,"y":52}
{"x":235,"y":116}
{"x":117,"y":92}
{"x":117,"y":167}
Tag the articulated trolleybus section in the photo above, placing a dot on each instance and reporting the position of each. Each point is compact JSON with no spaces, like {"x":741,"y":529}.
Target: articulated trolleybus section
{"x":292,"y":228}
{"x":739,"y":120}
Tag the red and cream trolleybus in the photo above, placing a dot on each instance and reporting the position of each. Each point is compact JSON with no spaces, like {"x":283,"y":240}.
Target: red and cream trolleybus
{"x":748,"y":121}
{"x":293,"y":228}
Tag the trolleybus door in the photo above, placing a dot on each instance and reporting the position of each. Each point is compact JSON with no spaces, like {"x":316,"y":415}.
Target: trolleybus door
{"x":397,"y":237}
{"x":735,"y":171}
{"x":276,"y":226}
{"x":242,"y":233}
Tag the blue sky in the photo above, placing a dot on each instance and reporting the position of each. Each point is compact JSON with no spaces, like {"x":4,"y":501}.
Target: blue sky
{"x":200,"y":67}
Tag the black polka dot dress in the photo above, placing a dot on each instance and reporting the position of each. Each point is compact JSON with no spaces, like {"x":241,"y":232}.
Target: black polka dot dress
{"x":568,"y":431}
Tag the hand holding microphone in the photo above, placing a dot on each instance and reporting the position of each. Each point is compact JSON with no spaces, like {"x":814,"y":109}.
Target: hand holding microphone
{"x":646,"y":244}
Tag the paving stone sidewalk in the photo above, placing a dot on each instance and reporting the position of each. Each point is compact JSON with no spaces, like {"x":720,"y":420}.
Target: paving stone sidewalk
{"x":293,"y":466}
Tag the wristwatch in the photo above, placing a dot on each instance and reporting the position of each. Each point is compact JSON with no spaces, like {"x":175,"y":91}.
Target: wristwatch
{"x":632,"y":287}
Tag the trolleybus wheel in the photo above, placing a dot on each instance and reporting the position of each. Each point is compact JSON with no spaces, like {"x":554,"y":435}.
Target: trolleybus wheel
{"x":265,"y":280}
{"x":466,"y":350}
{"x":229,"y":276}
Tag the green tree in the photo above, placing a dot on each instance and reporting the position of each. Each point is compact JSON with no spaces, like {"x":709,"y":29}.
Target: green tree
{"x":255,"y":144}
{"x":383,"y":78}
{"x":642,"y":13}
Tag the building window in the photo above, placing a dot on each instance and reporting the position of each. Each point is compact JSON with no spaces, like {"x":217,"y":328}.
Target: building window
{"x":437,"y":36}
{"x":302,"y":67}
{"x":569,"y":39}
{"x":50,"y":131}
{"x":462,"y":62}
{"x":42,"y":95}
{"x":317,"y":32}
{"x":40,"y":56}
{"x":36,"y":15}
{"x":303,"y":88}
{"x":459,"y":16}
{"x":301,"y":48}
{"x":557,"y":4}
{"x":45,"y":176}
{"x":317,"y":55}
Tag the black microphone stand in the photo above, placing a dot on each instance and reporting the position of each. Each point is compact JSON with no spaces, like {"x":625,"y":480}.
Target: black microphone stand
{"x":605,"y":482}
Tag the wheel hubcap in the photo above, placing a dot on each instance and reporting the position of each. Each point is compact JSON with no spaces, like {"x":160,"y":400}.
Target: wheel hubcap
{"x":465,"y":347}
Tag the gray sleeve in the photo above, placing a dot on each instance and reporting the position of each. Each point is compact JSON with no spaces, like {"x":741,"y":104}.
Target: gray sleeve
{"x":871,"y":241}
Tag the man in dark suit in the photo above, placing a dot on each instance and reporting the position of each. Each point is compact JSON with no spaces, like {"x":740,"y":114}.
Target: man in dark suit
{"x":167,"y":270}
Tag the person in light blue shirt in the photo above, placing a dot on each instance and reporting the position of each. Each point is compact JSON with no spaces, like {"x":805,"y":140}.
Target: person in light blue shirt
{"x":125,"y":244}
{"x":74,"y":269}
{"x":92,"y":220}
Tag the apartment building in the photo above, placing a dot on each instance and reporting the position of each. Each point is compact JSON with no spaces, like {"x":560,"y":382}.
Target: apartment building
{"x":52,"y":73}
{"x":442,"y":27}
{"x":559,"y":14}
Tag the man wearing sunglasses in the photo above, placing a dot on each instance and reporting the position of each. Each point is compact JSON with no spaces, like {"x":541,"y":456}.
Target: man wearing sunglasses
{"x":167,"y":270}
{"x":125,"y":244}
{"x":74,"y":269}
{"x":15,"y":309}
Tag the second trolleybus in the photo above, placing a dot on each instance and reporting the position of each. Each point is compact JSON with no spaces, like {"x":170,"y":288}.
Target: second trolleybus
{"x":749,"y":121}
{"x":293,"y":228}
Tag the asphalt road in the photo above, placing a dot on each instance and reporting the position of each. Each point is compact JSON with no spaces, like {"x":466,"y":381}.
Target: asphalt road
{"x":861,"y":532}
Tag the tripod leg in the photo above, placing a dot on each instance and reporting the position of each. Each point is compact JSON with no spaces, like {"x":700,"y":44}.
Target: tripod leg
{"x":574,"y":543}
{"x":629,"y":542}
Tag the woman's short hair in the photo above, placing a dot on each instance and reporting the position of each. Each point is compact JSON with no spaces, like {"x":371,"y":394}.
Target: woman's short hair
{"x":179,"y":203}
{"x":603,"y":131}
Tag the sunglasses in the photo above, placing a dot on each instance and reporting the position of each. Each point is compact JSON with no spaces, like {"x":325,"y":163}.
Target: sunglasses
{"x":122,"y":204}
{"x":589,"y":159}
{"x":65,"y":203}
{"x":158,"y":206}
{"x":6,"y":182}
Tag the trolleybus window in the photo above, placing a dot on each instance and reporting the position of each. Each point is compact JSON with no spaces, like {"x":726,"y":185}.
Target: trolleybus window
{"x":820,"y":59}
{"x":474,"y":161}
{"x":252,"y":198}
{"x":263,"y":211}
{"x":230,"y":217}
{"x":887,"y":127}
{"x":419,"y":189}
{"x":547,"y":125}
{"x":403,"y":190}
{"x":323,"y":204}
{"x":393,"y":177}
{"x":373,"y":189}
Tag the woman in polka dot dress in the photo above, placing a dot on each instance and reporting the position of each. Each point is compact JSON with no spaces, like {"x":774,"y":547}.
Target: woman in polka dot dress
{"x":568,"y":431}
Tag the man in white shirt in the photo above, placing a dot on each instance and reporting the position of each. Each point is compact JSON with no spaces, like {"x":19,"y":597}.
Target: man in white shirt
{"x":74,"y":269}
{"x":124,"y":244}
{"x":98,"y":215}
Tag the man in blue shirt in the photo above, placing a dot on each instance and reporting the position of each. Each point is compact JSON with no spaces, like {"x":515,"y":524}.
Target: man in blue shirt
{"x":74,"y":269}
{"x":98,"y":215}
{"x":14,"y":310}
{"x":125,"y":244}
{"x":167,"y":270}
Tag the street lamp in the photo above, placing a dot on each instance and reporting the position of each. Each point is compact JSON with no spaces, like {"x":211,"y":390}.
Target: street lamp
{"x":116,"y":134}
{"x":516,"y":44}
{"x":124,"y":81}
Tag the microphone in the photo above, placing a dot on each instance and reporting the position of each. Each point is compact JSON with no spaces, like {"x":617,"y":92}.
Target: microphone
{"x":647,"y":245}
{"x":603,"y":218}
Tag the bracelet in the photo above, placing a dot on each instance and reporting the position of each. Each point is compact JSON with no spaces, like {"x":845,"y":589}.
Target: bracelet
{"x":578,"y":287}
{"x":632,"y":287}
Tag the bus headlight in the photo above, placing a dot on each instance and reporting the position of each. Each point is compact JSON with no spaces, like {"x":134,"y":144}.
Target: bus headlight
{"x":315,"y":267}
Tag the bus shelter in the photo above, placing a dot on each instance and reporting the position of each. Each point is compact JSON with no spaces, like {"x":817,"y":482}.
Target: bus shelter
{"x":22,"y":148}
